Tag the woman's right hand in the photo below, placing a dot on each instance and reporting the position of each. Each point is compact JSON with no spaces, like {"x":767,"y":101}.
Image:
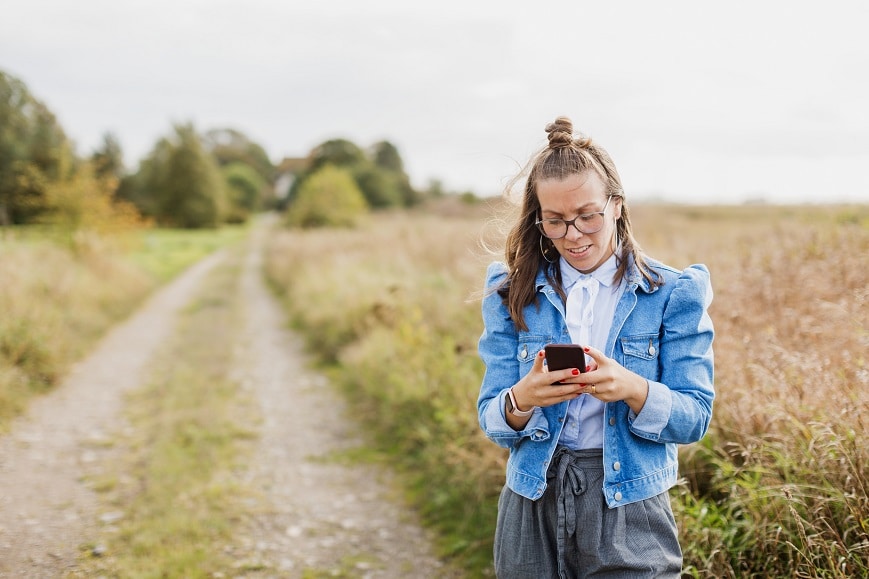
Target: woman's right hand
{"x":539,"y":388}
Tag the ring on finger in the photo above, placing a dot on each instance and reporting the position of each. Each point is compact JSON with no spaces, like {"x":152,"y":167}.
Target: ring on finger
{"x":593,"y":389}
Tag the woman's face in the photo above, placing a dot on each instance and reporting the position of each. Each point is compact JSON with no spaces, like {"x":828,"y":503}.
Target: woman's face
{"x":578,"y":195}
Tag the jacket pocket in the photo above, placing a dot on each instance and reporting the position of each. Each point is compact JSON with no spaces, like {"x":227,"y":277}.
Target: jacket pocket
{"x":528,"y":345}
{"x":641,"y":354}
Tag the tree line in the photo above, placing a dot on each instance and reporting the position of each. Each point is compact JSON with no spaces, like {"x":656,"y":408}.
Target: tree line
{"x":189,"y":179}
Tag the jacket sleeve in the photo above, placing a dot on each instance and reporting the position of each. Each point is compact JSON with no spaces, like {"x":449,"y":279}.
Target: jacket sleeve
{"x":498,"y":350}
{"x":679,"y":407}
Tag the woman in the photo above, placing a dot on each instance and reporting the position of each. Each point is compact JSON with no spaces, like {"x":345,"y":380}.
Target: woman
{"x":592,"y":450}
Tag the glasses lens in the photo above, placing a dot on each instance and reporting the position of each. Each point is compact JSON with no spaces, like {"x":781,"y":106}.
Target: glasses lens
{"x":553,"y":228}
{"x":557,"y":228}
{"x":591,"y":223}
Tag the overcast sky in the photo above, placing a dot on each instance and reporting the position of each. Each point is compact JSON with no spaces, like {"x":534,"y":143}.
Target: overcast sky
{"x":695,"y":101}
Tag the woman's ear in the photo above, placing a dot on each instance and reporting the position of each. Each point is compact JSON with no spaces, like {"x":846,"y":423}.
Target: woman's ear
{"x":618,"y":208}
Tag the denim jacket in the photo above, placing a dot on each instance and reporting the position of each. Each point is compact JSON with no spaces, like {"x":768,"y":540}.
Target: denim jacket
{"x":663,"y":334}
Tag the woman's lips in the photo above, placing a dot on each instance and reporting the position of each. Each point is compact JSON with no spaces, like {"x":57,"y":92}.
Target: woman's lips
{"x":578,"y":251}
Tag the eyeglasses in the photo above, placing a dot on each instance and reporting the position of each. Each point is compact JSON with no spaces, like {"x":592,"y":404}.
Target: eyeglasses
{"x":586,"y":223}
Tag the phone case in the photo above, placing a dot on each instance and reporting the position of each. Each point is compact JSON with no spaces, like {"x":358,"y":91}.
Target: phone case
{"x":563,"y":356}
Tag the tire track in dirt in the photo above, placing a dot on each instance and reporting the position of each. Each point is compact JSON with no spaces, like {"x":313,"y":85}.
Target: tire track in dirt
{"x":316,"y":514}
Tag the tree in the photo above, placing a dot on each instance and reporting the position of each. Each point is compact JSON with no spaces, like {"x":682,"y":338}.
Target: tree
{"x":245,"y":191}
{"x":378,"y":186}
{"x":338,"y":152}
{"x":230,"y":146}
{"x":179,"y":183}
{"x":329,"y":197}
{"x":85,"y":203}
{"x":34,"y":152}
{"x":108,"y":159}
{"x":379,"y":173}
{"x":387,"y":158}
{"x":139,"y":188}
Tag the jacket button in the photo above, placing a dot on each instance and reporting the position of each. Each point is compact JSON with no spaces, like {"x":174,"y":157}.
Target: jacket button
{"x":524,"y":352}
{"x":617,"y":496}
{"x":612,"y":421}
{"x":617,"y":465}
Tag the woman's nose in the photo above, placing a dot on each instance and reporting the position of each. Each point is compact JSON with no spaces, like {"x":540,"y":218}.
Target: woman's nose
{"x":573,"y":232}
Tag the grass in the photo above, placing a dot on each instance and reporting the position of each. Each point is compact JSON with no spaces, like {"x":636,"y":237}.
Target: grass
{"x":779,"y":485}
{"x":58,"y":298}
{"x":174,"y":484}
{"x":163,"y":253}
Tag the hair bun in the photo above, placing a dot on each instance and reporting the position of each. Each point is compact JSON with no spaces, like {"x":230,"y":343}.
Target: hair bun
{"x":560,"y":133}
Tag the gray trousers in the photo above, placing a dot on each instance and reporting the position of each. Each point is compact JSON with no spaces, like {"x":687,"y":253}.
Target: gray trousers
{"x":571,"y":533}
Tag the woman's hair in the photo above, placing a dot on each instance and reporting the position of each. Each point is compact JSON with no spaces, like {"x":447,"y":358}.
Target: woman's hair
{"x":563,"y":157}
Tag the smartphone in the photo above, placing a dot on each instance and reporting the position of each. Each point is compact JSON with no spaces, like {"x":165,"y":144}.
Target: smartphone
{"x":563,"y":356}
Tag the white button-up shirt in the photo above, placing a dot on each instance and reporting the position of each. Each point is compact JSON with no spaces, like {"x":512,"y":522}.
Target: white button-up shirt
{"x":584,"y":426}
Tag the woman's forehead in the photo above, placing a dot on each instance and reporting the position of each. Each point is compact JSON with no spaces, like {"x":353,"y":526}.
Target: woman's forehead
{"x":574,"y":193}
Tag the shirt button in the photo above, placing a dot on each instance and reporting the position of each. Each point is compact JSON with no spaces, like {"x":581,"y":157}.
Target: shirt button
{"x":612,"y":421}
{"x":617,"y":466}
{"x":617,"y":496}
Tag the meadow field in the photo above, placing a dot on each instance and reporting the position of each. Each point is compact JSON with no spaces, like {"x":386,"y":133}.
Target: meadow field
{"x":59,"y":294}
{"x":778,"y":488}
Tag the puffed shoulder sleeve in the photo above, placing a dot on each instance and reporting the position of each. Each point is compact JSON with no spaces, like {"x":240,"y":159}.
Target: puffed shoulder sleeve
{"x":679,"y":407}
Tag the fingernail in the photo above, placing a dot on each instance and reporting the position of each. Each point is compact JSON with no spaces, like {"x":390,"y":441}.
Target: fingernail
{"x":575,"y":372}
{"x":586,"y":348}
{"x":540,"y":353}
{"x":587,"y":368}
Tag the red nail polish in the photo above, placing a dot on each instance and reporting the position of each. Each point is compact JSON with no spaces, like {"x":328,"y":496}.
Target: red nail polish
{"x":575,"y":372}
{"x":586,"y":349}
{"x":540,"y":353}
{"x":587,"y":368}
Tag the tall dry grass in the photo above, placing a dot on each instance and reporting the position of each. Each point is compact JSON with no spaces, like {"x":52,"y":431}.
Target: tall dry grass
{"x":60,"y":289}
{"x":54,"y":303}
{"x":785,"y":468}
{"x":777,"y":488}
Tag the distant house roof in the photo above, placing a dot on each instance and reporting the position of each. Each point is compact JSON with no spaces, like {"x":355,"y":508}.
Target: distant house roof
{"x":292,"y":165}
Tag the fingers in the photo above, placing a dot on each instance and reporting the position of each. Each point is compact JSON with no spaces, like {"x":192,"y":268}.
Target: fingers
{"x":538,"y":361}
{"x":568,"y":376}
{"x":594,"y":358}
{"x":594,"y":354}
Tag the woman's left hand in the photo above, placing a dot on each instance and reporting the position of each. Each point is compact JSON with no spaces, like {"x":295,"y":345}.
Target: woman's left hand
{"x":608,"y":381}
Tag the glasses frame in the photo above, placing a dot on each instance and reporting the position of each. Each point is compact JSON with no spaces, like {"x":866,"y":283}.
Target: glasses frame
{"x":567,"y":224}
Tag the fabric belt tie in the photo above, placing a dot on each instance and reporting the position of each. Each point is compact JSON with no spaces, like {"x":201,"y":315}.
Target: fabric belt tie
{"x":573,"y":483}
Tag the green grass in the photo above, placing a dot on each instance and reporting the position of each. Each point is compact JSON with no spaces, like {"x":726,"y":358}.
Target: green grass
{"x":163,"y":253}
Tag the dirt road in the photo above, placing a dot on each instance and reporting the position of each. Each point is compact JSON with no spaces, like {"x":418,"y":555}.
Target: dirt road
{"x":315,"y":514}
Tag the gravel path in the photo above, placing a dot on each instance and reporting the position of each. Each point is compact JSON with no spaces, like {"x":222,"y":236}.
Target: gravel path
{"x":317,"y":513}
{"x":313,"y":515}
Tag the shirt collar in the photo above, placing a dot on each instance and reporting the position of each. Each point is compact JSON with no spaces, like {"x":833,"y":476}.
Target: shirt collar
{"x":603,"y":274}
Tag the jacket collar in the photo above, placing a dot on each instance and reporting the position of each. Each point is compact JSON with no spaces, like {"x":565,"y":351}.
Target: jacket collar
{"x":635,"y":280}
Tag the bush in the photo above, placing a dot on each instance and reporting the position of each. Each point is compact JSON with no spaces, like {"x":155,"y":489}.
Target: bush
{"x":329,"y":197}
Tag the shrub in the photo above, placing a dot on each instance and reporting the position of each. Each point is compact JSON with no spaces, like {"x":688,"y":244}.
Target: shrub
{"x":329,"y":197}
